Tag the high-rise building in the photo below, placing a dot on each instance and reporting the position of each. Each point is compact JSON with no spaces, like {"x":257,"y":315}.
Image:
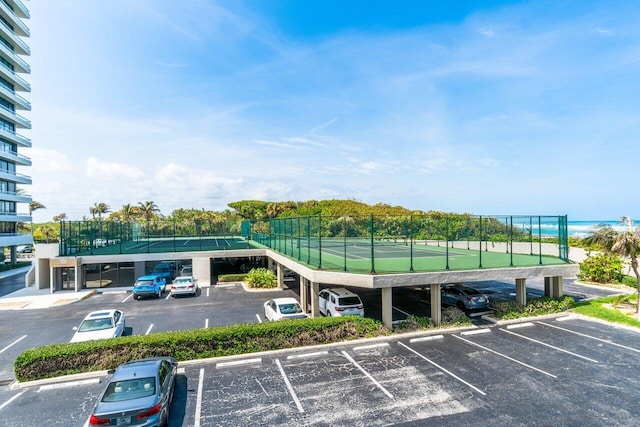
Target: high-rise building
{"x":13,"y":49}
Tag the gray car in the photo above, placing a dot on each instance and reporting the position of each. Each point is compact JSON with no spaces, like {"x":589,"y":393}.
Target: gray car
{"x":464,"y":297}
{"x":139,"y":393}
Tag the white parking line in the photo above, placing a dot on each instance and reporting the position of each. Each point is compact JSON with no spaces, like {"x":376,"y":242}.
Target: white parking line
{"x":11,"y":400}
{"x":443,"y":369}
{"x":505,"y":356}
{"x":403,"y":312}
{"x":429,"y":338}
{"x":168,"y":296}
{"x":206,"y":323}
{"x":68,"y":384}
{"x":199,"y":398}
{"x":238,"y":362}
{"x":13,"y":343}
{"x":551,"y":346}
{"x":305,"y":355}
{"x":569,"y":317}
{"x":519,"y":325}
{"x":294,"y":396}
{"x":371,"y":347}
{"x":128,"y":296}
{"x":476,"y":331}
{"x":259,"y":319}
{"x":367,"y":374}
{"x":590,"y":337}
{"x":149,"y":330}
{"x":208,"y":291}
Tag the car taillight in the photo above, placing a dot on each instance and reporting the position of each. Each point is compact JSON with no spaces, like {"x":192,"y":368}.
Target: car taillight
{"x":149,"y":412}
{"x":339,"y":309}
{"x":361,"y":307}
{"x":97,"y":421}
{"x":190,"y":286}
{"x":173,"y":287}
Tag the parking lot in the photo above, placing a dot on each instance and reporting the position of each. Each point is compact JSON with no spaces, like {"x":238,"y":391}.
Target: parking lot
{"x":570,"y":369}
{"x":563,"y":371}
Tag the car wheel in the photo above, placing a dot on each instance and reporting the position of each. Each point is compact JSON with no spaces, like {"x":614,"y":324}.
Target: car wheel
{"x":328,"y":313}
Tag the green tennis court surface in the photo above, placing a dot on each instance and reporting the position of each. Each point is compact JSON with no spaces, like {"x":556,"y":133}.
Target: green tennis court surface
{"x":171,"y":244}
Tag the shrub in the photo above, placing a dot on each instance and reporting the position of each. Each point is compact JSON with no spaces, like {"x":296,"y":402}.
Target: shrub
{"x":451,"y":316}
{"x":601,"y":268}
{"x":537,"y":307}
{"x":262,"y":278}
{"x":631,"y":281}
{"x":240,"y":277}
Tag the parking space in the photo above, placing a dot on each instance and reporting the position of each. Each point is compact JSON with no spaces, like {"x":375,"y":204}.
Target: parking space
{"x":562,"y":371}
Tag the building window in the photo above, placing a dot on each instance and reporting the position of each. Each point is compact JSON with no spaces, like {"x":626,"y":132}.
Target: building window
{"x":7,"y":126}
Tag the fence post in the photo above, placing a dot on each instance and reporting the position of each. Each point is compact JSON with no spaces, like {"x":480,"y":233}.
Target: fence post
{"x":373,"y":264}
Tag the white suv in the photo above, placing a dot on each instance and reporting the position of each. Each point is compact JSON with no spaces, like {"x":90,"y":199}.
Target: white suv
{"x":340,"y":302}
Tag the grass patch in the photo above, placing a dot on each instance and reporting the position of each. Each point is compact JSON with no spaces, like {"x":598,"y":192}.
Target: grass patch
{"x":604,"y":308}
{"x":240,"y":277}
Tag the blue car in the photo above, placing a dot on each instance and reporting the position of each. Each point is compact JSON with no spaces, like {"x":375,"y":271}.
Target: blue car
{"x":149,"y":286}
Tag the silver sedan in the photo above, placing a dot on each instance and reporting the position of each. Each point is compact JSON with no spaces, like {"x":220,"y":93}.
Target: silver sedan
{"x":184,"y":285}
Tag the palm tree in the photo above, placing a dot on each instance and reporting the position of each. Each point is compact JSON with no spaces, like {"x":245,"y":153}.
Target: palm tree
{"x":60,"y":217}
{"x":99,"y":209}
{"x":34,"y":206}
{"x":128,"y":212}
{"x":148,"y":209}
{"x":625,"y":243}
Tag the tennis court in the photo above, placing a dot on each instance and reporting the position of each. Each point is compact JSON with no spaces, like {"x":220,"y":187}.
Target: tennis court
{"x":170,"y":244}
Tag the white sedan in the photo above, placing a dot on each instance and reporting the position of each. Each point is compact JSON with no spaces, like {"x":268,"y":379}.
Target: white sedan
{"x":184,"y":285}
{"x":283,"y":308}
{"x":100,"y":325}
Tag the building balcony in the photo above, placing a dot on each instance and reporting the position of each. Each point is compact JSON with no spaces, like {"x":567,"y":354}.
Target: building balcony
{"x":19,"y":9}
{"x":14,"y":157}
{"x":15,"y":177}
{"x":15,"y":99}
{"x":14,"y":16}
{"x":19,"y":45}
{"x":15,"y":239}
{"x":18,"y":82}
{"x":14,"y":137}
{"x":17,"y":119}
{"x":18,"y":63}
{"x":14,"y":217}
{"x":12,"y":196}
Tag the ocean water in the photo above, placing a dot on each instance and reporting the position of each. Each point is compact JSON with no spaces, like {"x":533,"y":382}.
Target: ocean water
{"x":574,"y":228}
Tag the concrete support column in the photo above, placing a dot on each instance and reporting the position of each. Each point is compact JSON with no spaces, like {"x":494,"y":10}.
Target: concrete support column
{"x":556,"y":287}
{"x":521,"y":291}
{"x":315,"y":290}
{"x":547,"y":287}
{"x":138,"y":269}
{"x":303,"y":294}
{"x":436,"y":304}
{"x":270,"y":264}
{"x":279,"y":274}
{"x":387,"y":307}
{"x":201,"y":270}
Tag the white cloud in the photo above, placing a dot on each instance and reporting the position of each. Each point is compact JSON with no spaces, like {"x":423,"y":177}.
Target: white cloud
{"x":96,"y":168}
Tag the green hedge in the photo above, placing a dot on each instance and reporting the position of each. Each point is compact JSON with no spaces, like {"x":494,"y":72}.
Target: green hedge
{"x":511,"y":310}
{"x":240,"y":277}
{"x":70,"y":358}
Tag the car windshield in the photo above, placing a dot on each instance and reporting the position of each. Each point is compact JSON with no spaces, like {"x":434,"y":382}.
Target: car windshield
{"x":96,"y":324}
{"x":178,"y":280}
{"x":349,"y":301}
{"x":130,"y":389}
{"x":290,"y":308}
{"x":471,"y":291}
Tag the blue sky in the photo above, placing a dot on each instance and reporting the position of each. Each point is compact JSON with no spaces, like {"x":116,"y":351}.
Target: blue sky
{"x":526,"y":107}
